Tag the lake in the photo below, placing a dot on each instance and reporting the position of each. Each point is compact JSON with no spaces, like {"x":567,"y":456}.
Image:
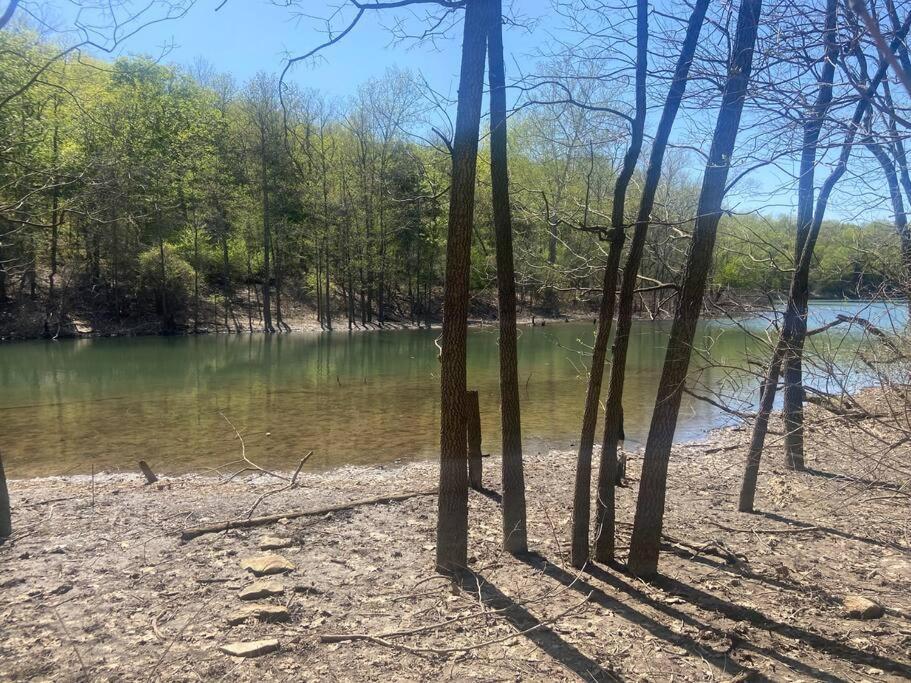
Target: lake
{"x":359,"y":398}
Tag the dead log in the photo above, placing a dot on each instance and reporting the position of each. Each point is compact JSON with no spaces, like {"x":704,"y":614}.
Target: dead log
{"x":246,"y":523}
{"x":147,"y":472}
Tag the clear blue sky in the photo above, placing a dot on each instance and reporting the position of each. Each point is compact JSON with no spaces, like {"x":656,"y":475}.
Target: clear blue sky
{"x":246,"y":36}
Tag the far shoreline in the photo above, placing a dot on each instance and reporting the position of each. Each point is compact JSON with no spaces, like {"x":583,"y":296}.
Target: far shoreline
{"x":303,"y":322}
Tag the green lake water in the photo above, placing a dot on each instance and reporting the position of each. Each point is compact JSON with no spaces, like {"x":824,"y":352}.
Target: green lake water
{"x":358,"y":398}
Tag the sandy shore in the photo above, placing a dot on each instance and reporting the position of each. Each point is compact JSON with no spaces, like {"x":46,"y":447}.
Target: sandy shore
{"x":98,"y":585}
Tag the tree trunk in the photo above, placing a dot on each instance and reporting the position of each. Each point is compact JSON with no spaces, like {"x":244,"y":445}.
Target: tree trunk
{"x":646,"y":538}
{"x":319,"y":287}
{"x":514,"y":523}
{"x":195,"y":276}
{"x":475,"y":468}
{"x":579,"y":547}
{"x":328,"y":308}
{"x":166,"y":323}
{"x":613,"y":411}
{"x":226,"y":276}
{"x":793,"y":392}
{"x":795,"y":319}
{"x":6,"y":518}
{"x":760,"y":428}
{"x":607,"y":467}
{"x":452,"y":521}
{"x":267,"y":245}
{"x":898,"y":209}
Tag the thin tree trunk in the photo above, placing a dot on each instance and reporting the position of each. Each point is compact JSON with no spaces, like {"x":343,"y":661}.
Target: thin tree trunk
{"x":898,"y":209}
{"x":166,"y":325}
{"x":452,"y":521}
{"x":226,"y":275}
{"x":760,"y":428}
{"x":475,"y":467}
{"x":6,"y":519}
{"x":646,"y":538}
{"x":319,"y":287}
{"x":795,"y":319}
{"x":267,"y":245}
{"x":793,"y":410}
{"x":195,"y":276}
{"x":613,"y":411}
{"x":579,"y":543}
{"x":328,"y":308}
{"x":770,"y":385}
{"x":55,"y":224}
{"x":607,"y":467}
{"x":514,"y":523}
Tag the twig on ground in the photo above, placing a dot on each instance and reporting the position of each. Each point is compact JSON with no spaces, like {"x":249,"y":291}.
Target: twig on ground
{"x":193,"y":532}
{"x":380,"y":639}
{"x":290,"y":485}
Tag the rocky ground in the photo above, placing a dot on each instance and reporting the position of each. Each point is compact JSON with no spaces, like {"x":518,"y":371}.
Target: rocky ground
{"x":97,"y":583}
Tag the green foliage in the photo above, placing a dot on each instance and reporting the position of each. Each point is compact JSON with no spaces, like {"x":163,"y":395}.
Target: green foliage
{"x":103,"y":162}
{"x":165,"y":278}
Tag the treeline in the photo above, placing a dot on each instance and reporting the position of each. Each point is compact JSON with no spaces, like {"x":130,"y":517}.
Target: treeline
{"x":135,"y":193}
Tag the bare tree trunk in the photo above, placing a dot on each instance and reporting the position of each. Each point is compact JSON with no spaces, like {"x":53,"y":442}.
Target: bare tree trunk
{"x":646,"y":538}
{"x":475,"y":468}
{"x":195,"y":275}
{"x":770,"y":384}
{"x":795,"y":319}
{"x":452,"y":521}
{"x":226,"y":275}
{"x":328,"y":308}
{"x":514,"y":523}
{"x":55,"y":225}
{"x":613,"y":411}
{"x":579,"y":548}
{"x":166,"y":324}
{"x":898,"y":209}
{"x":793,"y":392}
{"x":319,"y":287}
{"x":267,"y":245}
{"x":6,"y":518}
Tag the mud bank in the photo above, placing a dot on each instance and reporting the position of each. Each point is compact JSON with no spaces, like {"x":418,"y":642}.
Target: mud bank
{"x":98,"y":585}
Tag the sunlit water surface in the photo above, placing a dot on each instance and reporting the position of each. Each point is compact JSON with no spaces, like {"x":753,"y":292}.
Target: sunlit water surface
{"x":357,"y":398}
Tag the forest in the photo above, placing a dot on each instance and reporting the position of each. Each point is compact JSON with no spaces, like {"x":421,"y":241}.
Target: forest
{"x":138,"y":197}
{"x":677,"y":233}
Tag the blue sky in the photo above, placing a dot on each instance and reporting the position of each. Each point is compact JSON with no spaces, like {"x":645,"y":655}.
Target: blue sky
{"x":246,"y":36}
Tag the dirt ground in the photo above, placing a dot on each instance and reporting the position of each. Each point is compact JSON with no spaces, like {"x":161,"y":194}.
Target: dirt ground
{"x":98,"y":585}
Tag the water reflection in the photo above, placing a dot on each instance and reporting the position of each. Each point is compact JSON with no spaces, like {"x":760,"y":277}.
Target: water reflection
{"x":360,"y":398}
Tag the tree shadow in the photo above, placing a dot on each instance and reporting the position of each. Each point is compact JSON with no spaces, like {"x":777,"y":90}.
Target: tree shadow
{"x":489,"y":493}
{"x":720,"y":660}
{"x":831,"y":531}
{"x":875,"y":483}
{"x":711,"y":603}
{"x":543,"y":635}
{"x":707,"y":601}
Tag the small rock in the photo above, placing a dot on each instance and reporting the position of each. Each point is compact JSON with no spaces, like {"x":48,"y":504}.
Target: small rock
{"x":261,"y":589}
{"x":253,"y":648}
{"x":266,"y":564}
{"x":858,"y":607}
{"x":274,"y":543}
{"x":259,"y":611}
{"x":62,"y":588}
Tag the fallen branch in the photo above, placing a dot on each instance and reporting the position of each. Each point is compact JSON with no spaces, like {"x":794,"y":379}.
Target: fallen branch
{"x":379,"y":640}
{"x":290,"y":485}
{"x":763,"y":531}
{"x":246,"y":523}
